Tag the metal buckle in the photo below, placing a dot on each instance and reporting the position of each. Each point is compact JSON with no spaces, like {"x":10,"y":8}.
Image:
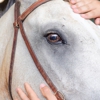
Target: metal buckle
{"x":16,"y":24}
{"x":60,"y":94}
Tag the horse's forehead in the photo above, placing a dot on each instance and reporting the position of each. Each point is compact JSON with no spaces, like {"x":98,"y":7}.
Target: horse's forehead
{"x":58,"y":9}
{"x":53,"y":8}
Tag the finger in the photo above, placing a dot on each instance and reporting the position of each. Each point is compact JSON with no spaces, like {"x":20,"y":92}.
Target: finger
{"x":81,"y":3}
{"x":16,"y":99}
{"x":31,"y":94}
{"x":47,"y":93}
{"x":74,"y":1}
{"x":21,"y":94}
{"x":84,"y":9}
{"x":91,"y":14}
{"x":97,"y":21}
{"x":94,"y":5}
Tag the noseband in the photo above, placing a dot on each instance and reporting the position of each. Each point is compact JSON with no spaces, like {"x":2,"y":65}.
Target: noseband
{"x":18,"y":24}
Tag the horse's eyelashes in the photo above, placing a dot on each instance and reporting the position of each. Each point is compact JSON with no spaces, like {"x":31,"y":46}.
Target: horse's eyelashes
{"x":53,"y":38}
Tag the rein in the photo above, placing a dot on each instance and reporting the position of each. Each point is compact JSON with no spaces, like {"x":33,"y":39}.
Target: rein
{"x":18,"y":24}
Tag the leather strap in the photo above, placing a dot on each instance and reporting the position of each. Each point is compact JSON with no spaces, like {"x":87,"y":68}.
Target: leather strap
{"x":38,"y":65}
{"x":16,"y":15}
{"x":19,"y":24}
{"x":31,"y":8}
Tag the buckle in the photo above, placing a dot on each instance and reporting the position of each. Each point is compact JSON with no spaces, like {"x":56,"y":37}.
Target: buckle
{"x":15,"y":24}
{"x":60,"y":94}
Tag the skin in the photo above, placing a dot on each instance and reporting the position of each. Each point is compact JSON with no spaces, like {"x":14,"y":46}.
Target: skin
{"x":31,"y":95}
{"x":87,"y":9}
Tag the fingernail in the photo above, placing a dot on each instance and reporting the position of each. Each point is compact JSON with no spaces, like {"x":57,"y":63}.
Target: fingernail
{"x":26,"y":83}
{"x":76,"y":10}
{"x":73,"y":6}
{"x":72,"y":1}
{"x":42,"y":85}
{"x":17,"y":89}
{"x":83,"y":15}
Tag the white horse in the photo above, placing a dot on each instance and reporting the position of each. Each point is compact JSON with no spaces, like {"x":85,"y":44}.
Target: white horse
{"x":71,"y":60}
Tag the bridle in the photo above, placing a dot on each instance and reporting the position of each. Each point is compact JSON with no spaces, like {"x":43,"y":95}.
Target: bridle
{"x":18,"y":24}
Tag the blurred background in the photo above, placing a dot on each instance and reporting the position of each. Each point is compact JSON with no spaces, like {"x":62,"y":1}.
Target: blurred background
{"x":5,"y":5}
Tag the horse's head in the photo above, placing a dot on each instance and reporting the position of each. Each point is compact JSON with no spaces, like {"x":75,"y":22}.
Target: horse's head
{"x":68,"y":48}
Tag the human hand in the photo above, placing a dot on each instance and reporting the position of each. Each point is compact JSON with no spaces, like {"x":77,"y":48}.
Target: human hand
{"x":88,"y":9}
{"x":31,"y":95}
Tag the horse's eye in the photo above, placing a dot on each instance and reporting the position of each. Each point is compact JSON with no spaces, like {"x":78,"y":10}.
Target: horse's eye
{"x":54,"y":38}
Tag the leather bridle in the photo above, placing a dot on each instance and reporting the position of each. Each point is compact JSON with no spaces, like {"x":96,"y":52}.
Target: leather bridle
{"x":18,"y":24}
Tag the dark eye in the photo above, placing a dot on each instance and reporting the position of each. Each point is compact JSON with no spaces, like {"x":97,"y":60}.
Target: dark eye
{"x":53,"y":38}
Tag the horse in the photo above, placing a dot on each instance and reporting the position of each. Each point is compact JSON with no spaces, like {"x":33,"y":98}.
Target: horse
{"x":66,"y":45}
{"x":5,"y":5}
